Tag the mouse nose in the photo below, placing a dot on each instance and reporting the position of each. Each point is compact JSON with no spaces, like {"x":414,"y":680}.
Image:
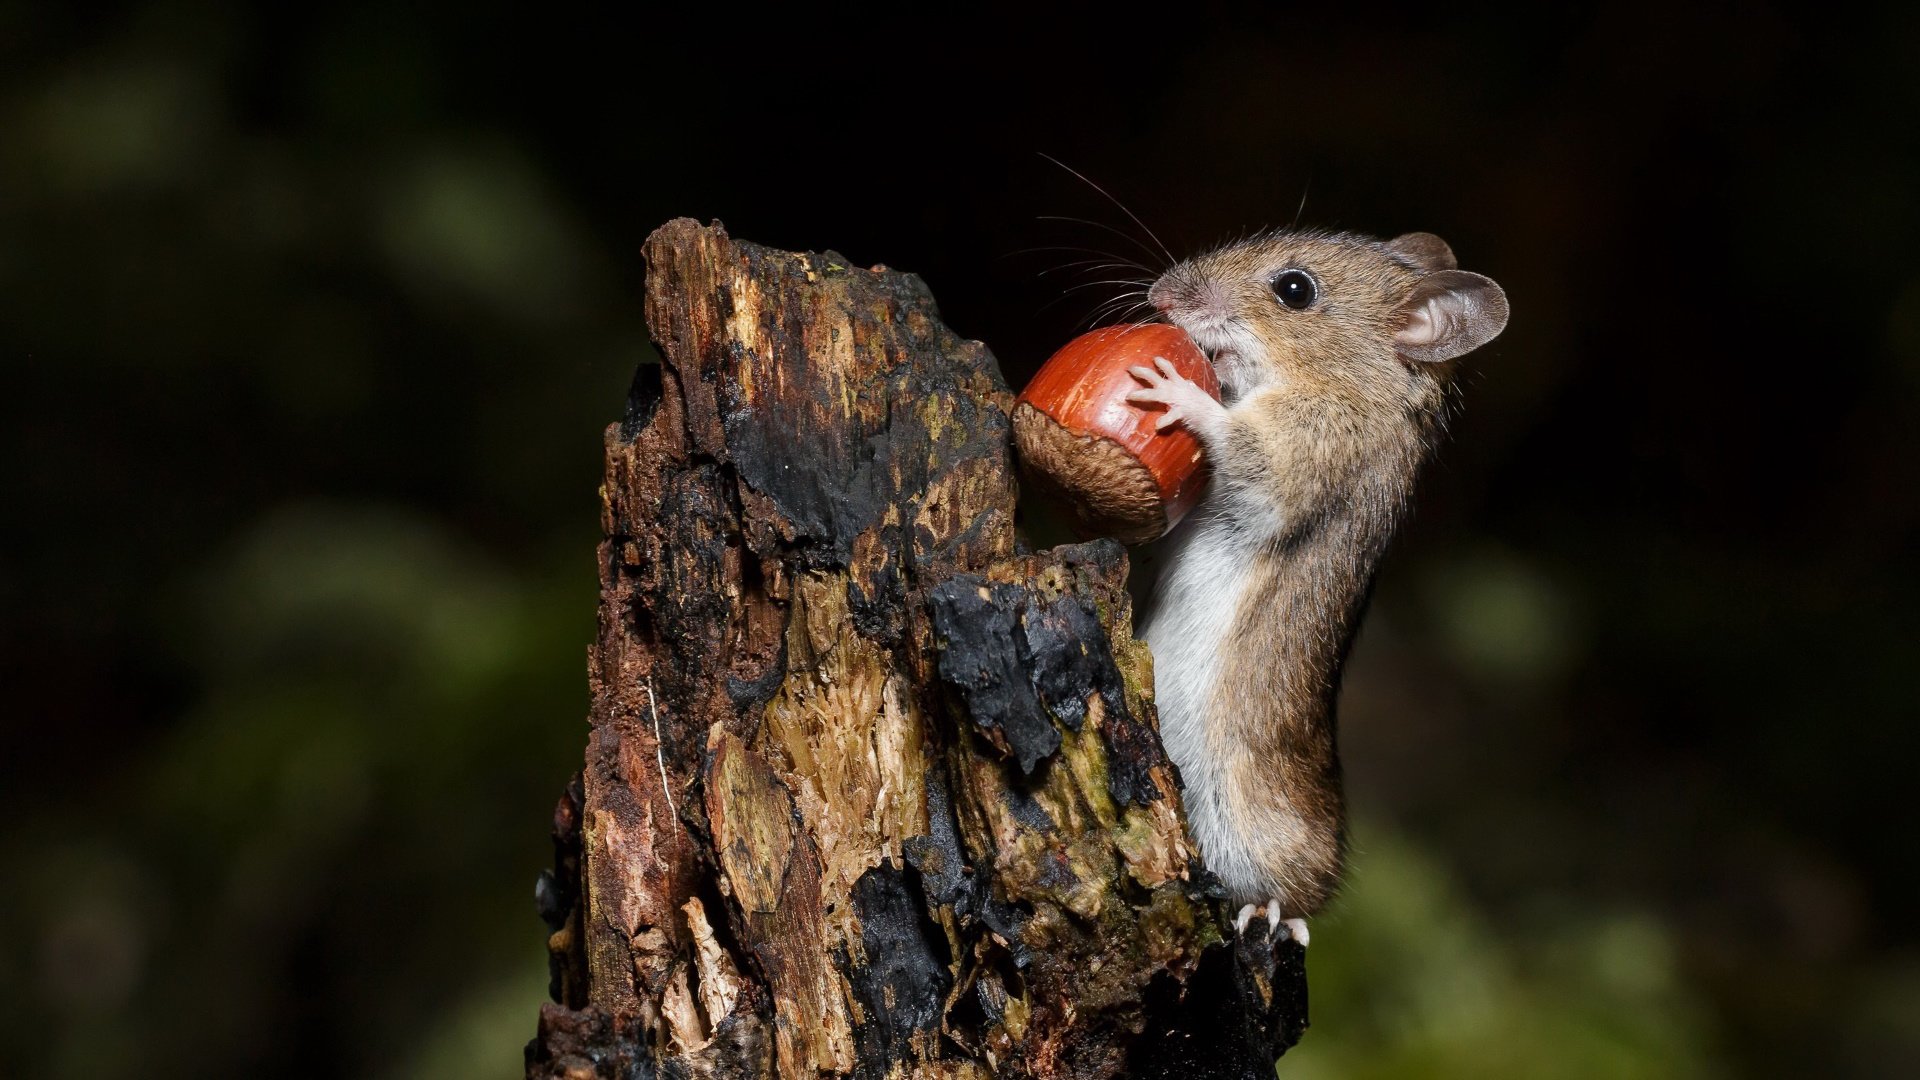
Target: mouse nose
{"x":1160,"y":296}
{"x":1175,"y":290}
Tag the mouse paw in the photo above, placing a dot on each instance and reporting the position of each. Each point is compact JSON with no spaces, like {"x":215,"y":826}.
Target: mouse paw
{"x":1241,"y":920}
{"x":1277,"y":926}
{"x":1185,"y":403}
{"x":1296,"y":929}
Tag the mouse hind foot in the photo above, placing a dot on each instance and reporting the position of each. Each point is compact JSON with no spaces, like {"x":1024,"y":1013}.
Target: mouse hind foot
{"x":1277,"y":926}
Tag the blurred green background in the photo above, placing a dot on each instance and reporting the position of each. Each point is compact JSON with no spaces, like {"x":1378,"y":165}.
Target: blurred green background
{"x":311,"y":318}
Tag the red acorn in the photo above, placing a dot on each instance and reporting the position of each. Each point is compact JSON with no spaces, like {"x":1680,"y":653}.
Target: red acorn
{"x":1081,"y":440}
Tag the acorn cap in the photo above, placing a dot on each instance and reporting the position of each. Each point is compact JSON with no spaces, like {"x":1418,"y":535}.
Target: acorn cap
{"x":1104,"y":490}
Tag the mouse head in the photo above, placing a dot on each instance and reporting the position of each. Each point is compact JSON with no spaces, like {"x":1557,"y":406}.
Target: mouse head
{"x":1335,"y":310}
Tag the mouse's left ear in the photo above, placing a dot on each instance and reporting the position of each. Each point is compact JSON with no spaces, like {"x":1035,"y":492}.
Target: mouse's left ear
{"x":1450,"y":314}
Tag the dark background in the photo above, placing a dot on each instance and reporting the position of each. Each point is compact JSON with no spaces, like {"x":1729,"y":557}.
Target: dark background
{"x":311,"y":320}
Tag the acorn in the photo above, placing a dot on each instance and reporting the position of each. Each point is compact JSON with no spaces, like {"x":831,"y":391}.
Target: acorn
{"x":1084,"y":445}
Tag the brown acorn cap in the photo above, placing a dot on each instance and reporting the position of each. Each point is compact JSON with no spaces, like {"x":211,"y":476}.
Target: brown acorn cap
{"x":1105,"y":490}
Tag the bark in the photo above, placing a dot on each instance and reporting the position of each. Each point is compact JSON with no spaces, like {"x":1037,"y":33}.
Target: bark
{"x":869,"y":791}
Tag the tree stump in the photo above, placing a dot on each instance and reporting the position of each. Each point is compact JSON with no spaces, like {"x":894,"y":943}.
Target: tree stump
{"x":869,"y":791}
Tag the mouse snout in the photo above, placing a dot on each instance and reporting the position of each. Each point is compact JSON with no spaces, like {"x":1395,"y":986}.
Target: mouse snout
{"x":1179,"y":294}
{"x":1160,"y":296}
{"x":1175,"y":291}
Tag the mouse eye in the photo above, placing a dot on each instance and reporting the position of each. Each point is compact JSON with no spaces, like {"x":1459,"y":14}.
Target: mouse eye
{"x":1295,"y":288}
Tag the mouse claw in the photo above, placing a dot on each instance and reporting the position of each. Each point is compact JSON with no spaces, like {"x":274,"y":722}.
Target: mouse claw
{"x":1277,"y":927}
{"x":1144,"y":374}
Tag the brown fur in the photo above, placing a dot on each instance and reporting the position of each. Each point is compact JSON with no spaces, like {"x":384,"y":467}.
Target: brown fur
{"x":1331,"y":419}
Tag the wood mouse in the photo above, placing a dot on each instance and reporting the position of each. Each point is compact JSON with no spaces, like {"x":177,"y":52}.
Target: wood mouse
{"x":1332,"y":351}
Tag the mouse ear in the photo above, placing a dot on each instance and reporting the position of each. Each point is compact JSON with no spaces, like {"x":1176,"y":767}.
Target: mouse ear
{"x":1424,"y":250}
{"x":1450,"y":314}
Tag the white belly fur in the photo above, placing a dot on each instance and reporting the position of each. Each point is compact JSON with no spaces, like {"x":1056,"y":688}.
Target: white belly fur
{"x":1206,"y":568}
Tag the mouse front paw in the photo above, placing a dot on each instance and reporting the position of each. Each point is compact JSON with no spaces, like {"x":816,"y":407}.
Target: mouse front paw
{"x":1185,"y":403}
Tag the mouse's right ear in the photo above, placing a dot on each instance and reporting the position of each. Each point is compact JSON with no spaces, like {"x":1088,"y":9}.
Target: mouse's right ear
{"x":1424,"y":250}
{"x":1450,"y":314}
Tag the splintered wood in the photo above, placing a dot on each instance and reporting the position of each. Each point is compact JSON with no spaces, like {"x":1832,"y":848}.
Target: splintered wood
{"x":867,"y":792}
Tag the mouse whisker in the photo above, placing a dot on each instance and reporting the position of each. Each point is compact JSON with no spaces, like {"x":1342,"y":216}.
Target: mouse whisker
{"x":1115,"y":303}
{"x":1103,"y":311}
{"x":1067,"y":294}
{"x":1135,"y":282}
{"x":1093,"y":315}
{"x":1088,"y":266}
{"x":1133,"y":313}
{"x":1119,"y":259}
{"x":1302,"y":208}
{"x":1106,"y":260}
{"x":1128,"y":302}
{"x":1123,"y":206}
{"x":1104,"y":227}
